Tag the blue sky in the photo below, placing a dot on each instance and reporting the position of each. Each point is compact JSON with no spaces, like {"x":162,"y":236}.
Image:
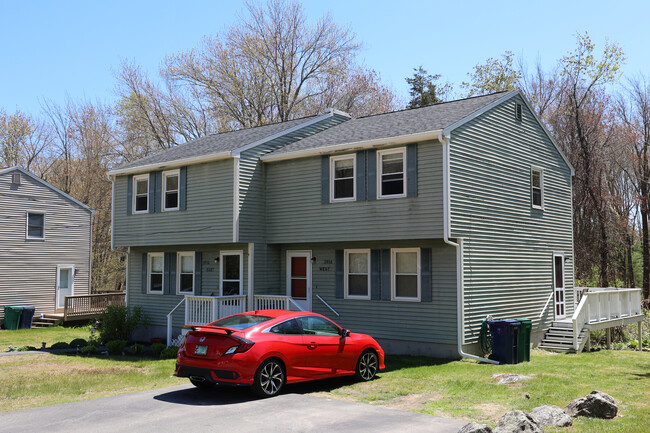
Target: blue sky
{"x":53,"y":49}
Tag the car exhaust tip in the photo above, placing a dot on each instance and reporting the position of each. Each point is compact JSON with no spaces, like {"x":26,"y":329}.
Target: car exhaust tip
{"x":198,"y":378}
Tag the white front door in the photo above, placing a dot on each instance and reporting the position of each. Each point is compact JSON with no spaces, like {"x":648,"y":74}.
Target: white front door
{"x":64,"y":284}
{"x":558,"y":286}
{"x":299,"y":278}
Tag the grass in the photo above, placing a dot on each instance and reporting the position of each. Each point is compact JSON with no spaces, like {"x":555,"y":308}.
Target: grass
{"x":464,"y":389}
{"x":35,"y":336}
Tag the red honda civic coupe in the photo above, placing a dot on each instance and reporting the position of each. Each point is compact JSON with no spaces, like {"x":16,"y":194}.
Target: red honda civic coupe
{"x":266,"y":349}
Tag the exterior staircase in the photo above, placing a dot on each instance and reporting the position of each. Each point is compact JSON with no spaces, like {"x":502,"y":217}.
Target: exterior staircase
{"x":559,"y":338}
{"x":46,"y":321}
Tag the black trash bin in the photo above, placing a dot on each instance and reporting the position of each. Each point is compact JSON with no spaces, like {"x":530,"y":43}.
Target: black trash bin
{"x":27,"y":317}
{"x":505,"y":339}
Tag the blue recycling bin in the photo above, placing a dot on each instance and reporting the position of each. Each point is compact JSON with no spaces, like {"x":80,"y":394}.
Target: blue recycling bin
{"x":505,"y":340}
{"x":26,"y":318}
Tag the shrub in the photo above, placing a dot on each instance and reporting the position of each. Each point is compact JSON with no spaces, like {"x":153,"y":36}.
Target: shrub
{"x":26,"y":348}
{"x":158,"y":348}
{"x":136,"y":349}
{"x":89,"y":350}
{"x":118,"y":323}
{"x":60,"y":345}
{"x":116,"y":346}
{"x":78,"y":342}
{"x":169,"y":352}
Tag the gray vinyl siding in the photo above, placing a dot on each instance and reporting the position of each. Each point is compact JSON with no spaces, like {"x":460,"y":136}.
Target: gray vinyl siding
{"x":28,"y":267}
{"x":428,"y":322}
{"x":295,"y":213}
{"x":207,"y":219}
{"x":157,"y":306}
{"x":508,"y":246}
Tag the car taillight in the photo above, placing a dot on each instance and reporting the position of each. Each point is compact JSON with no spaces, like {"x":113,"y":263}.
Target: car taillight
{"x":240,"y":348}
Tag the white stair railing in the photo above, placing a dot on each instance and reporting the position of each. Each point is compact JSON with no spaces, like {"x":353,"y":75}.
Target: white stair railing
{"x":169,"y":322}
{"x":200,"y":310}
{"x":270,"y":302}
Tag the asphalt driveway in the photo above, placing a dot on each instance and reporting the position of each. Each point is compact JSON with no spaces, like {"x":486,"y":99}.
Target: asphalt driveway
{"x":184,"y":408}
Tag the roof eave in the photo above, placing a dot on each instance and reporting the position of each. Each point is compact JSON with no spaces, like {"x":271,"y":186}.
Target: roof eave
{"x":170,"y":164}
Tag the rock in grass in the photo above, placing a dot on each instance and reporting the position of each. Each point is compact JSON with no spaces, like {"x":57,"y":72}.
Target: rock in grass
{"x":504,"y":378}
{"x":518,"y":422}
{"x":594,"y":405}
{"x":475,"y":427}
{"x":552,"y":416}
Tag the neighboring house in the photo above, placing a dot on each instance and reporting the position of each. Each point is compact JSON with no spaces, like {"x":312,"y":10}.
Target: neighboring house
{"x":411,"y":226}
{"x":45,"y":243}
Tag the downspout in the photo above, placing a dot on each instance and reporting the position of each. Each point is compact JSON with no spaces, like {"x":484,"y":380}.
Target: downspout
{"x":444,"y":139}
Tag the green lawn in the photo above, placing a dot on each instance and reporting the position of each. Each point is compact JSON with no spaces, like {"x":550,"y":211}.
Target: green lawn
{"x":36,"y":336}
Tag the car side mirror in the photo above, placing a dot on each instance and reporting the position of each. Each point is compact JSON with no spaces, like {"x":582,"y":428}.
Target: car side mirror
{"x":344,"y":332}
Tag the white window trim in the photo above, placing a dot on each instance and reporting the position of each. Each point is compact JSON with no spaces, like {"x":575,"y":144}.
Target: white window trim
{"x":239,"y":253}
{"x":179,"y":269}
{"x":135,"y":195}
{"x":393,"y":273}
{"x":149,"y":267}
{"x":346,"y":273}
{"x":333,"y":159}
{"x":164,"y":190}
{"x":380,"y":173}
{"x":541,"y":187}
{"x":34,"y":238}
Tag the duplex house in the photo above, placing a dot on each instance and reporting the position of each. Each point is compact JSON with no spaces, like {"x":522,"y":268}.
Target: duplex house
{"x":411,"y":226}
{"x":45,"y":243}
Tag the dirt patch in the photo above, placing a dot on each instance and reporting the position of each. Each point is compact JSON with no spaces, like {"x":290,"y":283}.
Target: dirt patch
{"x":412,"y":401}
{"x":492,"y":411}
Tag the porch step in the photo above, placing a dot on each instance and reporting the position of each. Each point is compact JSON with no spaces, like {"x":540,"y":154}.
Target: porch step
{"x":45,"y":321}
{"x":560,"y":338}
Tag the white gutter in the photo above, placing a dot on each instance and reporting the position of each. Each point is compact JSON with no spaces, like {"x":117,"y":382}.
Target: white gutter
{"x":173,"y":163}
{"x":355,"y":145}
{"x":444,"y":139}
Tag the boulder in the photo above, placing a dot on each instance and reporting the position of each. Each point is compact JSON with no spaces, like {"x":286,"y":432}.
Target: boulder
{"x":518,"y":422}
{"x":594,"y":405}
{"x":552,"y":416}
{"x":504,"y":378}
{"x":475,"y":427}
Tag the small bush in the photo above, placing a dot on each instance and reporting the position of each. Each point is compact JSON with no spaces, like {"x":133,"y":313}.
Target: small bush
{"x":26,"y":348}
{"x":169,"y":352}
{"x":116,"y":346}
{"x":136,"y":349}
{"x":60,"y":345}
{"x":78,"y":342}
{"x":158,"y":348}
{"x":118,"y":323}
{"x":89,"y":350}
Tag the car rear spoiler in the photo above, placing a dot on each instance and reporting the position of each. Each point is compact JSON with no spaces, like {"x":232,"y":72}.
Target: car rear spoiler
{"x":228,"y":331}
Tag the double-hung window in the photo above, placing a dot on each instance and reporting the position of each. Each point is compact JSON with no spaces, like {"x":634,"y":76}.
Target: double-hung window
{"x":357,"y":274}
{"x":185,"y":273}
{"x":156,"y":270}
{"x":342,"y":176}
{"x":141,"y":193}
{"x":35,"y":225}
{"x":391,"y":169}
{"x":231,"y":272}
{"x":537,"y":188}
{"x":405,"y":274}
{"x":170,"y":183}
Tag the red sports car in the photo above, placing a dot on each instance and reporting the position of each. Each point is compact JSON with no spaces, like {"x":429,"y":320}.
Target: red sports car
{"x":267,"y":348}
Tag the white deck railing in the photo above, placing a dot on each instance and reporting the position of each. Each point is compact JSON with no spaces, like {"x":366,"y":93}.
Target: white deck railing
{"x":200,"y":310}
{"x":269,"y":302}
{"x":600,"y":305}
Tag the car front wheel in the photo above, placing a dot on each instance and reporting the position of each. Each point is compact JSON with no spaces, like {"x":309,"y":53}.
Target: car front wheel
{"x":367,"y":366}
{"x":269,"y":378}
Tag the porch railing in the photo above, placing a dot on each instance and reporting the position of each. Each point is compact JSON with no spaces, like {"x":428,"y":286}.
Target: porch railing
{"x":269,"y":302}
{"x":601,"y":305}
{"x":90,"y":305}
{"x":200,"y":310}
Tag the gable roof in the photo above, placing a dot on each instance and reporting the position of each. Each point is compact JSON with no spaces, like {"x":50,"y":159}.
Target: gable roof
{"x":48,"y":185}
{"x":219,"y":146}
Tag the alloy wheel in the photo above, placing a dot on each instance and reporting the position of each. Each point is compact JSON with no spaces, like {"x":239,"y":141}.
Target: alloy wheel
{"x":368,"y":365}
{"x":271,"y":378}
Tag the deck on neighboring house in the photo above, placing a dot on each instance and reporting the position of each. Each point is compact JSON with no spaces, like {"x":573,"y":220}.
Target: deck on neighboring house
{"x":81,"y":307}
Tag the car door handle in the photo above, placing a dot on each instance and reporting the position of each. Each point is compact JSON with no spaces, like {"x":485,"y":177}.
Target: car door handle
{"x":312,"y":345}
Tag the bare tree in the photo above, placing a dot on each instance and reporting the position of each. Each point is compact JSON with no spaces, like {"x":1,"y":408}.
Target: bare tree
{"x":22,"y":140}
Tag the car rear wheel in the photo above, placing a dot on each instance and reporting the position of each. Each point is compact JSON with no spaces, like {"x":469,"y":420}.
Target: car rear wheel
{"x":269,"y":378}
{"x":202,"y":384}
{"x":367,"y":366}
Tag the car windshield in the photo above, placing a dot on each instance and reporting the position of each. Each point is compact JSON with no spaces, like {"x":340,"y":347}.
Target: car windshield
{"x":240,"y":321}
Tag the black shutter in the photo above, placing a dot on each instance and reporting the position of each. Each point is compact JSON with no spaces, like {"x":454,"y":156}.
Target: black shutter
{"x":325,"y":179}
{"x":412,"y":170}
{"x":182,"y":189}
{"x":425,"y":275}
{"x":157,"y":198}
{"x":372,"y":174}
{"x":197,"y":272}
{"x":173,"y":260}
{"x":361,"y":175}
{"x":338,"y":263}
{"x":152,"y":192}
{"x":385,"y":275}
{"x":129,"y":195}
{"x":375,"y":271}
{"x":143,"y":288}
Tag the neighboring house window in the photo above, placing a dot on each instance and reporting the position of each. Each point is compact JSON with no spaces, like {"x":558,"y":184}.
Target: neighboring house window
{"x":231,"y":272}
{"x":343,"y":177}
{"x":141,"y":193}
{"x":392,"y":173}
{"x":185,"y":277}
{"x":537,"y":187}
{"x":170,"y":189}
{"x":405,"y":274}
{"x":35,"y":225}
{"x":357,"y":274}
{"x":156,"y":269}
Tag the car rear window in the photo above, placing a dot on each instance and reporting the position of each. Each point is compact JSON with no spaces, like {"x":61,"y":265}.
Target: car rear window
{"x":241,"y":321}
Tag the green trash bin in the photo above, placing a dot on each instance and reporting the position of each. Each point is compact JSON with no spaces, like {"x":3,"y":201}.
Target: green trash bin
{"x":524,"y":339}
{"x":12,"y":316}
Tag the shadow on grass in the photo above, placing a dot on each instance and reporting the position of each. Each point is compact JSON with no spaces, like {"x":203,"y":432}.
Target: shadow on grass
{"x":119,"y":358}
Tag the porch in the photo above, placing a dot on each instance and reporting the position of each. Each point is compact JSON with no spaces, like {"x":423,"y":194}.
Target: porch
{"x":81,"y":307}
